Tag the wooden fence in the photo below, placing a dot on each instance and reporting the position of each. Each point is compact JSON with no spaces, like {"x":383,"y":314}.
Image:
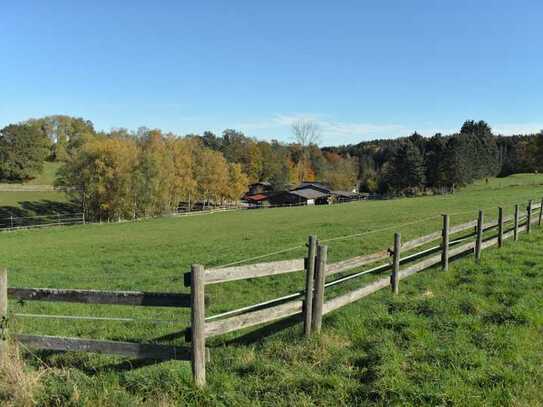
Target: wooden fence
{"x":58,"y":343}
{"x":311,"y":302}
{"x":41,"y":221}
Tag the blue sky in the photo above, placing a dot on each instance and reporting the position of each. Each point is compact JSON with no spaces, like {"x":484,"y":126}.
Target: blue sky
{"x":362,"y":69}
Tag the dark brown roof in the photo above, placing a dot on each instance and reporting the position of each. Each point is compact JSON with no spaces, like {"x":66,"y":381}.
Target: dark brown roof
{"x":307,"y":193}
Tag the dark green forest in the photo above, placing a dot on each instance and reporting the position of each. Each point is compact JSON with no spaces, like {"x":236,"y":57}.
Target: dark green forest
{"x":441,"y":163}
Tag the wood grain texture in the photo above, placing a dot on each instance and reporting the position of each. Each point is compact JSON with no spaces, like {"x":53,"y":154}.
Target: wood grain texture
{"x":355,"y":295}
{"x":516,"y":223}
{"x":309,"y":283}
{"x":253,"y":318}
{"x":318,"y":298}
{"x":101,"y":297}
{"x":129,"y":349}
{"x":445,"y":243}
{"x":198,"y":342}
{"x":221,"y":275}
{"x":434,"y":260}
{"x":3,"y":314}
{"x":354,"y":262}
{"x":394,"y":279}
{"x":462,"y":227}
{"x":420,"y":241}
{"x":479,"y":238}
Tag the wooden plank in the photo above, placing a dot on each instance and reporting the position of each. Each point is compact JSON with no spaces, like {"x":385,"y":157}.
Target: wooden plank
{"x":355,"y":262}
{"x":253,"y":318}
{"x":445,"y":244}
{"x":359,"y":293}
{"x":355,"y":295}
{"x":516,"y":223}
{"x":489,"y":243}
{"x":394,"y":280}
{"x":198,"y":325}
{"x":434,"y":260}
{"x":129,"y":349}
{"x":462,"y":227}
{"x":318,"y":298}
{"x":529,"y":217}
{"x":489,"y":226}
{"x":150,"y":299}
{"x":411,"y":244}
{"x":3,"y":315}
{"x":309,"y":283}
{"x":221,"y":275}
{"x":500,"y":227}
{"x":479,"y":239}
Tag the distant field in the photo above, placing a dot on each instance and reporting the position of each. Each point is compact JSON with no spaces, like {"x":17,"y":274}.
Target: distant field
{"x":34,"y":197}
{"x":47,"y":177}
{"x":446,"y":342}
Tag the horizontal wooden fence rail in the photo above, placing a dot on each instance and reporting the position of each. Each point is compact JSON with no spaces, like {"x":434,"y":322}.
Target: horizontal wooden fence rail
{"x":253,"y":318}
{"x":222,"y":275}
{"x":356,"y":262}
{"x":129,"y":349}
{"x":149,"y":299}
{"x":59,"y":343}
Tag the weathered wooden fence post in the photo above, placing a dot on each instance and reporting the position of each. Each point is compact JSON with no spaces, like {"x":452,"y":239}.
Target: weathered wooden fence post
{"x":500,"y":227}
{"x":309,"y":283}
{"x":515,"y":225}
{"x":197,"y":295}
{"x":3,"y":315}
{"x":394,"y":278}
{"x":529,"y":217}
{"x":445,"y":244}
{"x":540,"y":212}
{"x":479,"y":239}
{"x":320,"y":277}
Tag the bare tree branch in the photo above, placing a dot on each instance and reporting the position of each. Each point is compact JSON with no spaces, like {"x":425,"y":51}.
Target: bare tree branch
{"x":306,"y":132}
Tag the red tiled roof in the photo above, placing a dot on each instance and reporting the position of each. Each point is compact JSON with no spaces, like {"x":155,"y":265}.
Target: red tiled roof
{"x":257,"y":197}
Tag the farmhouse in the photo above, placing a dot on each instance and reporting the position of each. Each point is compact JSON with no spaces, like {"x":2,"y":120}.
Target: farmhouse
{"x":258,"y":199}
{"x":307,"y":193}
{"x":260,"y":188}
{"x":299,"y":197}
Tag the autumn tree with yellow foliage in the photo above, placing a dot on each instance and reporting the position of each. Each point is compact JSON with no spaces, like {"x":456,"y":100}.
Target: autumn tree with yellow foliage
{"x":121,"y":176}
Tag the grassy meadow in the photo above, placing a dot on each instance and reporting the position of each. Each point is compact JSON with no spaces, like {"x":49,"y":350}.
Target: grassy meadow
{"x":26,"y":203}
{"x":470,"y":337}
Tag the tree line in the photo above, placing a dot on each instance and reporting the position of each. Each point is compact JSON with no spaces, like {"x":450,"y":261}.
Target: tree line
{"x":415,"y":164}
{"x":123,"y":174}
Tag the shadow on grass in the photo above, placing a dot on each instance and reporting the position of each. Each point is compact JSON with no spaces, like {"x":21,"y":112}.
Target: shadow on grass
{"x":261,"y":333}
{"x":23,"y":214}
{"x":77,"y":361}
{"x":48,"y":207}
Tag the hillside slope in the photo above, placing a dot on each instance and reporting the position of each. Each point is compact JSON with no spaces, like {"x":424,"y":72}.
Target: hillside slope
{"x":471,"y":336}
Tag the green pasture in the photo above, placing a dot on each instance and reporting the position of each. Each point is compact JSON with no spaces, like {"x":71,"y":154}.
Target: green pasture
{"x":471,"y":336}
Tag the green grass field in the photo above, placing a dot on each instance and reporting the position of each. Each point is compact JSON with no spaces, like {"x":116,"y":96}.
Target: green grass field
{"x":470,"y":337}
{"x":48,"y":175}
{"x":31,"y":203}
